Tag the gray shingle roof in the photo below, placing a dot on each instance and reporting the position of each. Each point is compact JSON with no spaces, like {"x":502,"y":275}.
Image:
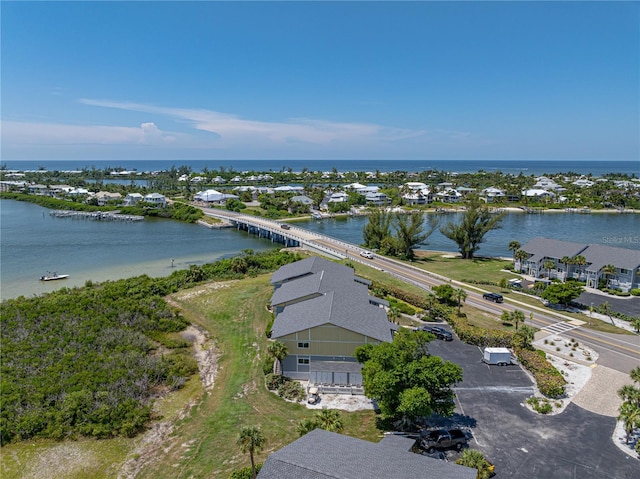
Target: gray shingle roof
{"x":337,"y":309}
{"x":599,"y":256}
{"x":313,"y":264}
{"x":321,"y":455}
{"x":551,"y":248}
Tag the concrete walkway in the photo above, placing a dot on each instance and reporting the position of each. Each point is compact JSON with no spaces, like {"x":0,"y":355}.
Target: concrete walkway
{"x":600,"y":394}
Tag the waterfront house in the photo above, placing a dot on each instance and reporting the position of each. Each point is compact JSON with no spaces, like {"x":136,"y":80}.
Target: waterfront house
{"x":323,"y":312}
{"x":213,"y":196}
{"x":321,"y":454}
{"x":156,"y":199}
{"x":376,"y":199}
{"x":597,"y":257}
{"x":104,"y":197}
{"x":338,"y":197}
{"x":492,"y":194}
{"x":132,"y":199}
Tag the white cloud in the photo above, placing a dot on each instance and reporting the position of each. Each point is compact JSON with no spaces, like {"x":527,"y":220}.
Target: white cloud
{"x":231,"y":134}
{"x":234,"y":130}
{"x":17,"y":133}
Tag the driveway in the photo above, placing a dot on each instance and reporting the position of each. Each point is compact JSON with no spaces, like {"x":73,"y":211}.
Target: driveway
{"x":523,"y":444}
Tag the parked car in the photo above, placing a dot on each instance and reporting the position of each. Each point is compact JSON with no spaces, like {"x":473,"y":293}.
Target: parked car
{"x":495,"y":297}
{"x":439,"y":332}
{"x":285,"y":227}
{"x":366,"y":254}
{"x":443,"y":439}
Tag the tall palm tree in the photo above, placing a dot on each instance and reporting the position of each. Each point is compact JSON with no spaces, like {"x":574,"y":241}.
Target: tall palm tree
{"x":609,"y":270}
{"x":251,"y":440}
{"x":514,"y":246}
{"x":630,"y":417}
{"x":278,"y":350}
{"x":520,"y":256}
{"x":579,"y":260}
{"x":460,"y":295}
{"x":517,"y":317}
{"x":548,"y":265}
{"x":566,"y":261}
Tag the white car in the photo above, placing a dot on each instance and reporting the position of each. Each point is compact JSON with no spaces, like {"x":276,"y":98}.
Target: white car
{"x":366,"y":254}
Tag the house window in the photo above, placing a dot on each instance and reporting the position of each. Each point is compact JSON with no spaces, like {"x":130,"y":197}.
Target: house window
{"x":624,"y":271}
{"x":303,"y":360}
{"x":303,"y":345}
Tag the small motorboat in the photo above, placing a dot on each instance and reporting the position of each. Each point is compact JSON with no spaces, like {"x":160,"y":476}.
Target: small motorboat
{"x":53,"y":277}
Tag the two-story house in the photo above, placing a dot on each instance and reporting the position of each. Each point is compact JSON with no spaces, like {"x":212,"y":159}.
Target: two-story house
{"x":323,"y":312}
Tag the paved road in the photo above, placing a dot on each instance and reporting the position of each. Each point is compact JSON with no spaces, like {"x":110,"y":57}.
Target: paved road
{"x":522,"y":444}
{"x":617,"y":351}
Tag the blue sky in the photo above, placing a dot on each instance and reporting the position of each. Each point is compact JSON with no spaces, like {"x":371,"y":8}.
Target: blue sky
{"x":320,"y":80}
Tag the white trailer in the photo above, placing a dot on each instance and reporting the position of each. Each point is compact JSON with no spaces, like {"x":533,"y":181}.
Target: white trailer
{"x":499,"y":356}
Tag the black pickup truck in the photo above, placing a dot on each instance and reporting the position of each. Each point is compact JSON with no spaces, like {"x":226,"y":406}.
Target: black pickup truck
{"x":430,"y":441}
{"x":439,"y":332}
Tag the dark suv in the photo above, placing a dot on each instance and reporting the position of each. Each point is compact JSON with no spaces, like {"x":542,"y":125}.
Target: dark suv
{"x":439,"y":332}
{"x":495,"y":297}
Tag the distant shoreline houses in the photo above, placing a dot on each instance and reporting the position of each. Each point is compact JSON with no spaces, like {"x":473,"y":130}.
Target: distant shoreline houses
{"x":618,"y":268}
{"x":323,"y":312}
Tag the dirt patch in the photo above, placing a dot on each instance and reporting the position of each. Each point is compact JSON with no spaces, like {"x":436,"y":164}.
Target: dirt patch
{"x":156,"y":441}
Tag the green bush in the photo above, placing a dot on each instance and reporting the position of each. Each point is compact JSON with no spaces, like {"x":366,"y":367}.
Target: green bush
{"x":635,"y":292}
{"x":291,"y":390}
{"x":549,"y":380}
{"x":274,"y":381}
{"x":479,"y":336}
{"x":245,"y":472}
{"x":540,"y":405}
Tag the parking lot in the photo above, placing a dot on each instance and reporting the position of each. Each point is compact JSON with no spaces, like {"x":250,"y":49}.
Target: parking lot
{"x":524,"y":444}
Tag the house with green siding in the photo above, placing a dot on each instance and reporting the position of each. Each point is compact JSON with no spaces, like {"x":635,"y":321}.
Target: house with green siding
{"x":323,"y":312}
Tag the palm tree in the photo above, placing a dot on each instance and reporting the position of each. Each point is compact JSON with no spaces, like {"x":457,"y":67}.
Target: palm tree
{"x":520,"y":256}
{"x":476,"y":460}
{"x":606,"y":309}
{"x":329,"y":420}
{"x":635,"y":374}
{"x":566,"y":261}
{"x":527,"y":334}
{"x":251,"y":440}
{"x":514,"y":246}
{"x":517,"y":317}
{"x":549,"y":265}
{"x":460,"y":295}
{"x":609,"y":270}
{"x":393,"y":313}
{"x":635,"y":322}
{"x":630,"y":416}
{"x":278,"y":351}
{"x":579,"y":260}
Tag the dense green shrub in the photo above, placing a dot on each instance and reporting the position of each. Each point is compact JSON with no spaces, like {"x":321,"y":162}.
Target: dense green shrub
{"x":479,"y":336}
{"x":635,"y":292}
{"x":541,"y":405}
{"x":549,"y":380}
{"x":245,"y":472}
{"x":291,"y":390}
{"x":83,"y":361}
{"x":274,"y":381}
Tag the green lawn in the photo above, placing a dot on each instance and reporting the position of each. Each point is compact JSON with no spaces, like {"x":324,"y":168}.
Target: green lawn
{"x":204,"y":443}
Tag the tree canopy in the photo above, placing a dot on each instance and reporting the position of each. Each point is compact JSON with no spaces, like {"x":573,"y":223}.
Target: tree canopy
{"x":405,"y":380}
{"x":408,"y":232}
{"x":562,"y":293}
{"x":476,"y":222}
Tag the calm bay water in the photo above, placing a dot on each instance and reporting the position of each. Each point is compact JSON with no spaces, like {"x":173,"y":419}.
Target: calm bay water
{"x":33,"y":243}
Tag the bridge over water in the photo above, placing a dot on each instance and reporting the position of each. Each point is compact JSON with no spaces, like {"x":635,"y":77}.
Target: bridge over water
{"x":288,"y":234}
